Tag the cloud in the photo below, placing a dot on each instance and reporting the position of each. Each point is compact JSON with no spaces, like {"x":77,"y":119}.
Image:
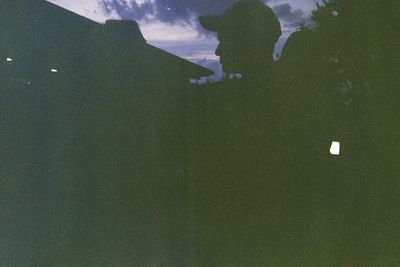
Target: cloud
{"x":158,"y":31}
{"x":171,"y":11}
{"x":93,"y":10}
{"x":287,"y":13}
{"x":126,"y":9}
{"x":289,"y":16}
{"x":185,"y":13}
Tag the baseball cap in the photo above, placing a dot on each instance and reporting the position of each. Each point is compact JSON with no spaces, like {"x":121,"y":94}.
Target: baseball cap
{"x":242,"y":13}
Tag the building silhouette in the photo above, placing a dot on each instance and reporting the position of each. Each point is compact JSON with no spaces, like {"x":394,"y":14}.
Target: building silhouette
{"x":41,"y":34}
{"x":93,"y":142}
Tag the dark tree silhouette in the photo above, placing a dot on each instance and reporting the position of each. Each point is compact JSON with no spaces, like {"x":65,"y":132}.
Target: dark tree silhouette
{"x":358,"y":52}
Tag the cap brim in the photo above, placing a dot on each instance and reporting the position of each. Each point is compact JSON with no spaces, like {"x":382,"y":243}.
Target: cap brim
{"x":211,"y":23}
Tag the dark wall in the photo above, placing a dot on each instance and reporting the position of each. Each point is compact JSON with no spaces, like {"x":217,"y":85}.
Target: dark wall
{"x":93,"y":165}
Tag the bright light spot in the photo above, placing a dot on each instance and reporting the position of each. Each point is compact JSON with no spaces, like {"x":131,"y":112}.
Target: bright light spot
{"x":54,"y":70}
{"x":9,"y":59}
{"x":335,"y":148}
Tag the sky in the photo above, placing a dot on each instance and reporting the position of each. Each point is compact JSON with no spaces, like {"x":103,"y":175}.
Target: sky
{"x":173,"y":25}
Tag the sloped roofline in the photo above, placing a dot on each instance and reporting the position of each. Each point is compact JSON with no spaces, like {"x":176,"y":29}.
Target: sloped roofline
{"x":205,"y":71}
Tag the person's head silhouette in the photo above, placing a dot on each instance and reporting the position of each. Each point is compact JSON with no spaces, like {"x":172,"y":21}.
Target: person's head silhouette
{"x":247,"y":33}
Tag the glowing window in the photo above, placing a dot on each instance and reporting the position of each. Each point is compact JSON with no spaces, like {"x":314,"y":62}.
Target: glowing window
{"x":335,"y":148}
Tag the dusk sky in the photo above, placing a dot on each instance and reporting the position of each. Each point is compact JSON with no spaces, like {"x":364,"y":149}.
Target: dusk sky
{"x":173,"y":25}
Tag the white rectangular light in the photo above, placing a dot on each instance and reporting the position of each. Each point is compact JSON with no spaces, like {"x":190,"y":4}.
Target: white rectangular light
{"x":9,"y":59}
{"x":54,"y":70}
{"x":335,"y":148}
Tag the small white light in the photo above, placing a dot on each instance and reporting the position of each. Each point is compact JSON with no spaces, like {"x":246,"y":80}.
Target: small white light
{"x":335,"y":148}
{"x":9,"y":59}
{"x":54,"y":70}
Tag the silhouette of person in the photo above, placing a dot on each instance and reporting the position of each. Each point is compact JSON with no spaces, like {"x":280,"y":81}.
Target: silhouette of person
{"x":245,"y":172}
{"x":247,"y":32}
